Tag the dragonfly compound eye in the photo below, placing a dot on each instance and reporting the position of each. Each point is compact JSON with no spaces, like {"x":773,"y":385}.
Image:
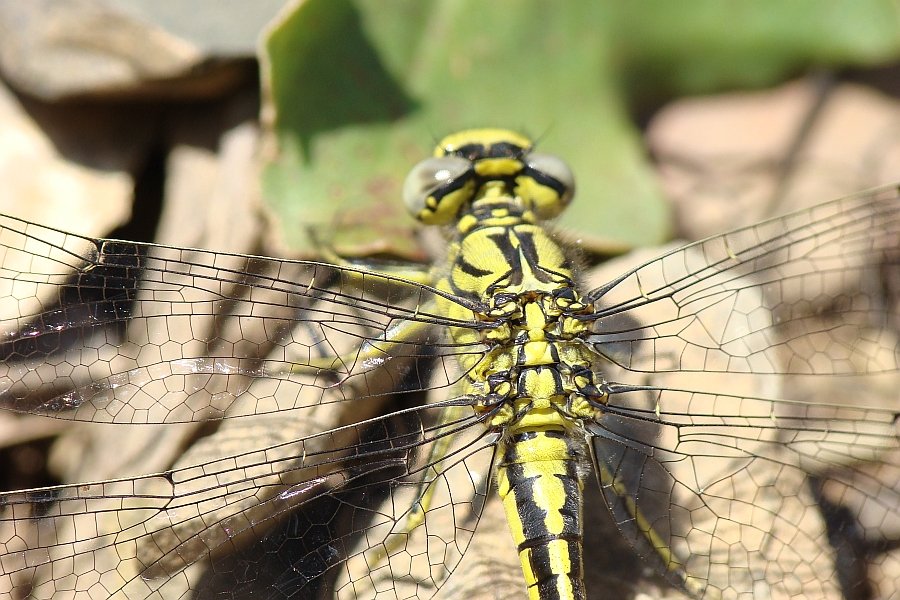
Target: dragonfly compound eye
{"x":436,"y":189}
{"x":546,"y":184}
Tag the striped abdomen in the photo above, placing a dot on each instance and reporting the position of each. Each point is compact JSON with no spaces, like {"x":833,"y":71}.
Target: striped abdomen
{"x":537,"y":477}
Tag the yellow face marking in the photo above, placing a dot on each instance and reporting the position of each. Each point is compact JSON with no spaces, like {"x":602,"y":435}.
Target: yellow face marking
{"x":497,"y":167}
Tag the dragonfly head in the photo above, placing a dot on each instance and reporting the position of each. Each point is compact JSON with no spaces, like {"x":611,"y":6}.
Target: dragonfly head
{"x":439,"y":189}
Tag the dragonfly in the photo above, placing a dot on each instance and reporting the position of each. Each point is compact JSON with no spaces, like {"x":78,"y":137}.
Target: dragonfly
{"x":722,"y":402}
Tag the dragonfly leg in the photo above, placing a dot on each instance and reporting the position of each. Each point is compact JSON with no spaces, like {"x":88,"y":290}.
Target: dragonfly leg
{"x":672,"y":564}
{"x":418,"y":273}
{"x":370,"y":351}
{"x":425,"y":490}
{"x":369,"y":354}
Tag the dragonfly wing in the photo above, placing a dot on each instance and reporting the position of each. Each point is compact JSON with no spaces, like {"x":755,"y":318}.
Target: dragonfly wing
{"x":390,"y":559}
{"x":721,"y":484}
{"x":759,"y":377}
{"x":813,"y":292}
{"x":109,"y":331}
{"x":316,"y":506}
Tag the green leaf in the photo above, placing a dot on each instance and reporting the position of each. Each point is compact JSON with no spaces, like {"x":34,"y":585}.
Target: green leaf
{"x":666,"y":50}
{"x":358,"y":92}
{"x":361,"y":91}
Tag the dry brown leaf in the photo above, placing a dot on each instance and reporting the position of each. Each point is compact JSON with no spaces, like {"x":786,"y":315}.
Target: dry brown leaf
{"x":733,"y":160}
{"x":42,"y":185}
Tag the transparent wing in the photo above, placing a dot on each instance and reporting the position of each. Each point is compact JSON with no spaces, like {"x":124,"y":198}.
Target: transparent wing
{"x":321,"y":515}
{"x":109,"y":331}
{"x":723,"y":492}
{"x":758,"y":373}
{"x":739,"y":302}
{"x":118,"y":332}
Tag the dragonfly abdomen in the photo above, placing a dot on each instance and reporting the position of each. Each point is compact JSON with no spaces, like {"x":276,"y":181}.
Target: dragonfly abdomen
{"x":538,"y":480}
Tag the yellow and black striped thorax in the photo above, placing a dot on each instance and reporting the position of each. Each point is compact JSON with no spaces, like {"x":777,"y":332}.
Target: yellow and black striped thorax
{"x":535,"y":380}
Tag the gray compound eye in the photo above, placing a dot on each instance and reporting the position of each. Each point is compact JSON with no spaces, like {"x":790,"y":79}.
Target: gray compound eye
{"x":554,"y":173}
{"x":436,"y":188}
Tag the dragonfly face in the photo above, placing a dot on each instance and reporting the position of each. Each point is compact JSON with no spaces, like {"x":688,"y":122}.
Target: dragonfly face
{"x":437,"y":190}
{"x":689,"y":388}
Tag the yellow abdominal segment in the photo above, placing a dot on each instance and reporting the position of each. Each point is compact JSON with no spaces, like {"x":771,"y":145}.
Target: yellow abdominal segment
{"x":542,"y":496}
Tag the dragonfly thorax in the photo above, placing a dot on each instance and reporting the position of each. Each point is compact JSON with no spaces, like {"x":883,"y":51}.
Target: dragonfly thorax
{"x":537,"y":372}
